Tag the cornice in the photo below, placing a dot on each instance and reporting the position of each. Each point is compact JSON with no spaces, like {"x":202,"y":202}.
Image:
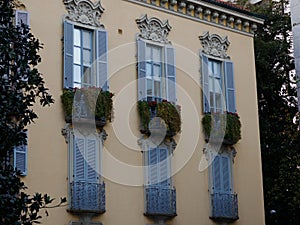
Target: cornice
{"x":85,"y":12}
{"x":223,"y":17}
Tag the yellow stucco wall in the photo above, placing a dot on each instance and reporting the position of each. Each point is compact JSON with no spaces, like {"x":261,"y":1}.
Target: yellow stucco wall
{"x":48,"y":162}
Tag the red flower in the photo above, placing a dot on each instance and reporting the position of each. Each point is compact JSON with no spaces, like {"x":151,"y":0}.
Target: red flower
{"x":152,"y":103}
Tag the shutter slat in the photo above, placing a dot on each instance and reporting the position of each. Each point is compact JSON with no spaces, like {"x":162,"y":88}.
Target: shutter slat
{"x":153,"y":167}
{"x":216,"y":174}
{"x":91,"y":158}
{"x":141,"y":70}
{"x":170,"y":73}
{"x":164,"y":172}
{"x":68,"y":54}
{"x":102,"y":59}
{"x":79,"y":170}
{"x":230,"y":89}
{"x":20,"y":159}
{"x":226,"y":174}
{"x":205,"y":85}
{"x":22,"y":17}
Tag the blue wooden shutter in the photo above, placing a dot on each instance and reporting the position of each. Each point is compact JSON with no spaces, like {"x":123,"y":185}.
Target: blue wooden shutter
{"x":68,"y":54}
{"x":79,"y":161}
{"x":20,"y":158}
{"x":141,"y":45}
{"x":91,"y":159}
{"x":170,"y":73}
{"x":216,"y":173}
{"x":153,"y":167}
{"x":205,"y":87}
{"x":21,"y":17}
{"x":226,"y":174}
{"x":229,"y":85}
{"x":164,"y":167}
{"x":102,"y":59}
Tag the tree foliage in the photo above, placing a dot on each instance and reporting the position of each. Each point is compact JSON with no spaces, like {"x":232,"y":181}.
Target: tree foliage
{"x":21,"y":85}
{"x":278,"y":115}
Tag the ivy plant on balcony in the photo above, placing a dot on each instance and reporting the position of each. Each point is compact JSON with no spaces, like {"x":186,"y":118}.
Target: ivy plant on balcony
{"x":97,"y":103}
{"x":167,"y":111}
{"x":225,"y":126}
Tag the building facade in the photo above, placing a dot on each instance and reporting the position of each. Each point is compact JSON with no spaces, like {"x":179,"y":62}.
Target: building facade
{"x":173,"y":137}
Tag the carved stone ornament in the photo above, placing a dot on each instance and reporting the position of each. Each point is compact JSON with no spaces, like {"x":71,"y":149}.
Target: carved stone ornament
{"x":18,"y":4}
{"x":146,"y":143}
{"x":153,"y":29}
{"x":215,"y":45}
{"x":84,"y":11}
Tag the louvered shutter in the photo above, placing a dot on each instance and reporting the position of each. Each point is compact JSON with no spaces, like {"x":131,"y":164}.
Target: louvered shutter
{"x":216,"y":173}
{"x":21,"y":17}
{"x":68,"y":54}
{"x":226,"y":176}
{"x":79,"y":161}
{"x":141,"y":45}
{"x":170,"y":73}
{"x":20,"y":159}
{"x":153,"y":166}
{"x":205,"y":87}
{"x":102,"y":59}
{"x":91,"y":159}
{"x":229,"y":86}
{"x":164,"y":173}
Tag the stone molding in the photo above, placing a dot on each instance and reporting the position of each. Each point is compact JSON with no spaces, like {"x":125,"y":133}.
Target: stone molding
{"x":153,"y":29}
{"x":146,"y":143}
{"x":207,"y":13}
{"x":214,"y":45}
{"x":85,"y":12}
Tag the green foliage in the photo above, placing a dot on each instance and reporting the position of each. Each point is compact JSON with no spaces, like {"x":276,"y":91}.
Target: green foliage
{"x":226,"y":127}
{"x":17,"y":207}
{"x":277,"y":104}
{"x":21,"y":85}
{"x":167,"y":111}
{"x":99,"y":103}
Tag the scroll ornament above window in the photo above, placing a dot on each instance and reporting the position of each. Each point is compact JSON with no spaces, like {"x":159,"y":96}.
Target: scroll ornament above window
{"x":84,"y":11}
{"x":214,"y":45}
{"x":154,"y":29}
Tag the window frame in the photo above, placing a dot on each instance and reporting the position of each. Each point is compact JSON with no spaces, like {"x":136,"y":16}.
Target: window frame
{"x":228,"y":102}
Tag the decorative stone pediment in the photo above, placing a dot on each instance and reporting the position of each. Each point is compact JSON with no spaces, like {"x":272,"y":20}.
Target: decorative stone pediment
{"x":84,"y":11}
{"x":214,"y":45}
{"x":154,"y":29}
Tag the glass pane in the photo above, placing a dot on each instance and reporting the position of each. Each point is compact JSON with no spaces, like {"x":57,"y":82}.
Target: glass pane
{"x":156,"y":70}
{"x":148,"y":69}
{"x":211,"y":94}
{"x":157,"y":89}
{"x":87,"y":79}
{"x":149,"y":87}
{"x":211,"y":84}
{"x":148,"y":52}
{"x":210,"y":68}
{"x":77,"y":74}
{"x":87,"y":57}
{"x":86,"y":38}
{"x":77,"y":55}
{"x":218,"y":88}
{"x":156,"y":54}
{"x":77,"y":40}
{"x":218,"y":101}
{"x":217,"y":69}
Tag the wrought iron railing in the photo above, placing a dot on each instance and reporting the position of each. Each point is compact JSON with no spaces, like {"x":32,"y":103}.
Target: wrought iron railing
{"x":87,"y":197}
{"x":224,"y":207}
{"x":160,"y":201}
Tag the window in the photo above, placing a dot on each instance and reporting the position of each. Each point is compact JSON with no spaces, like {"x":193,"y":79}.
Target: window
{"x":218,"y":85}
{"x":87,"y":191}
{"x":20,"y":158}
{"x":224,"y":205}
{"x":156,"y":72}
{"x":85,"y":57}
{"x":21,"y":17}
{"x":158,"y":167}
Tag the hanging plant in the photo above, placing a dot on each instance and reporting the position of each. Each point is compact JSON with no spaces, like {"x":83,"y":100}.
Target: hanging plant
{"x":226,"y":127}
{"x":99,"y":104}
{"x":167,"y":111}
